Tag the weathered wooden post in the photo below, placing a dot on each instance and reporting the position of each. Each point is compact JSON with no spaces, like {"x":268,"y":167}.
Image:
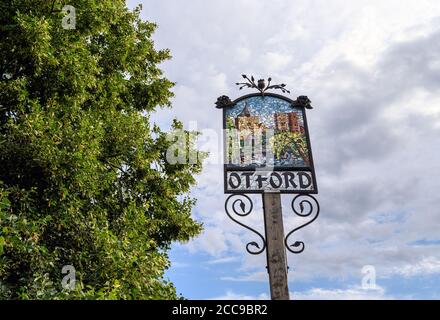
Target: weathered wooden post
{"x":276,"y":252}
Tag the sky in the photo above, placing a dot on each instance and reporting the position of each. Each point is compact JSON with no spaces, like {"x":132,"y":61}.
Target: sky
{"x":372,"y":71}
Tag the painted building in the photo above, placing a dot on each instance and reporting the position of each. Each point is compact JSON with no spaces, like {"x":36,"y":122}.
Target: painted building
{"x":252,"y":133}
{"x":287,"y":122}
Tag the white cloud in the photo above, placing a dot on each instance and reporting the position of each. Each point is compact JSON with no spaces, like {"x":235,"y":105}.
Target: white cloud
{"x":177,"y":264}
{"x":230,"y":295}
{"x":223,"y":260}
{"x":243,"y":54}
{"x":351,"y":293}
{"x":212,"y":241}
{"x":274,"y":61}
{"x":427,"y":266}
{"x":251,"y":277}
{"x":419,"y":102}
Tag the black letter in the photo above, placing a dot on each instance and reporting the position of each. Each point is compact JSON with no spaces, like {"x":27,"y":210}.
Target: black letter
{"x":272,"y":183}
{"x":289,"y":179}
{"x":248,"y":178}
{"x":237,"y":176}
{"x":302,"y":184}
{"x":260,"y":180}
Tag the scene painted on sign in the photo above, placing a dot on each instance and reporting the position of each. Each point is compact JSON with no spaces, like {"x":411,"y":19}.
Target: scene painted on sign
{"x":266,"y":131}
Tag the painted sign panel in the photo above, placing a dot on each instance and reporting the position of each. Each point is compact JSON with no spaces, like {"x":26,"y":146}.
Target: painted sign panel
{"x":263,"y":134}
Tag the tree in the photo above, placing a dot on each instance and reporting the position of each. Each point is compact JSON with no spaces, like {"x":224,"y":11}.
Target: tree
{"x":292,"y":142}
{"x":84,"y":177}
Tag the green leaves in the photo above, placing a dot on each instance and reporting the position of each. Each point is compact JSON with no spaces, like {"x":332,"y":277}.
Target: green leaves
{"x":2,"y":243}
{"x":85,"y":178}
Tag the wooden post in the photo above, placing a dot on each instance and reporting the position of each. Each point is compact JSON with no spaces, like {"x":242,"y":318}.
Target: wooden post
{"x":276,"y":252}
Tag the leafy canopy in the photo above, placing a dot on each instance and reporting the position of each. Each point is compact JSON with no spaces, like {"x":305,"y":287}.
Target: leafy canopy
{"x":84,"y":176}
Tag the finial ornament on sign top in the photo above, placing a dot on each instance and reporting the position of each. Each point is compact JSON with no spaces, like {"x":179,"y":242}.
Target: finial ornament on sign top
{"x":261,"y":85}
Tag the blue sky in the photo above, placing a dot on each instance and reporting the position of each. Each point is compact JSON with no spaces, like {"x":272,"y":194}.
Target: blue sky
{"x":199,"y":276}
{"x":372,"y":71}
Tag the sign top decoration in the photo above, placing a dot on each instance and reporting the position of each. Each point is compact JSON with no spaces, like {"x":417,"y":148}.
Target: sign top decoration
{"x":266,"y":141}
{"x":261,"y":85}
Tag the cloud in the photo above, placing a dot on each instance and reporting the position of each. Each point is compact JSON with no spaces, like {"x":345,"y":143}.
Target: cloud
{"x":230,"y":295}
{"x":427,"y":266}
{"x":177,"y":264}
{"x":351,"y":293}
{"x":276,"y":60}
{"x":223,"y":260}
{"x":251,"y":277}
{"x":212,"y":241}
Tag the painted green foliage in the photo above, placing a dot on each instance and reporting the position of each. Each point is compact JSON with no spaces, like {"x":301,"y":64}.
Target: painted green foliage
{"x":294,"y":142}
{"x":84,"y":180}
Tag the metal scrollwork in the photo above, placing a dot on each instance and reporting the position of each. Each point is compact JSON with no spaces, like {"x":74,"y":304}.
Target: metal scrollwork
{"x":261,"y":85}
{"x":242,"y":206}
{"x":304,"y":206}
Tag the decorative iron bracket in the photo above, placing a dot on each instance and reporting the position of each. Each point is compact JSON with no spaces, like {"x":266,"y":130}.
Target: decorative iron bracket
{"x":246,"y":206}
{"x":304,"y":206}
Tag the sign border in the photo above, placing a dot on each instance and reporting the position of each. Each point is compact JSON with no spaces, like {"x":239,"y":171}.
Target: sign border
{"x":311,"y":168}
